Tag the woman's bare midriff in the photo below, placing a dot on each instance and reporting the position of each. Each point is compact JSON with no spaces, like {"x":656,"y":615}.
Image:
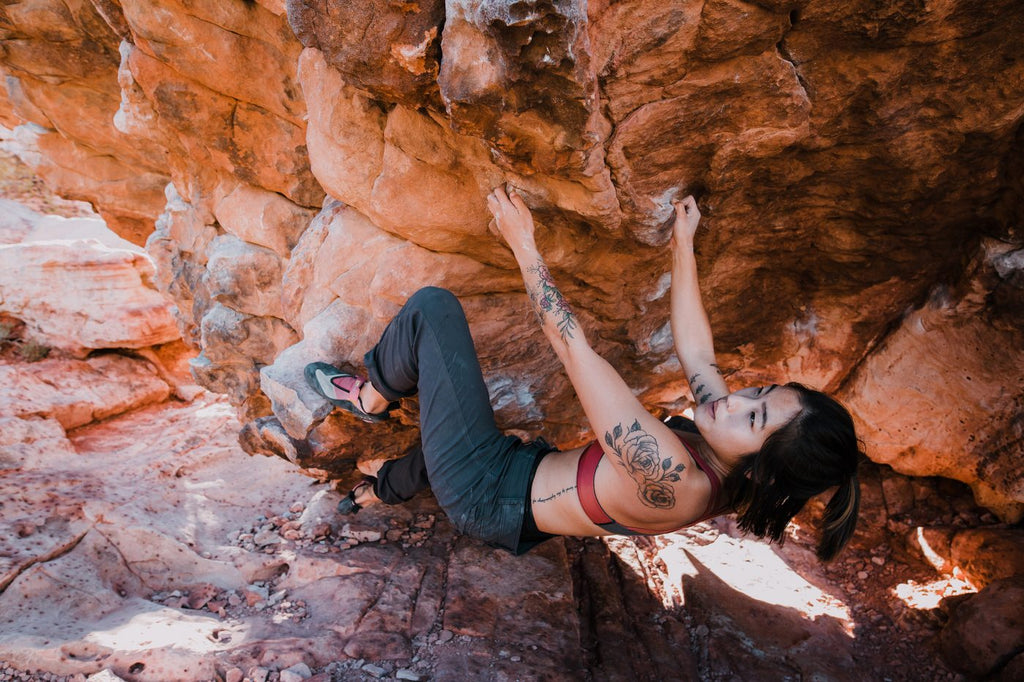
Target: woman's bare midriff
{"x":556,"y":503}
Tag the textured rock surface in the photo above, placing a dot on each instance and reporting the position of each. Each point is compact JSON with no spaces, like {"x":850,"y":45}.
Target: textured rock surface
{"x":77,"y":286}
{"x":944,"y":393}
{"x":849,"y":157}
{"x":103,"y":386}
{"x":987,"y":630}
{"x":80,"y":294}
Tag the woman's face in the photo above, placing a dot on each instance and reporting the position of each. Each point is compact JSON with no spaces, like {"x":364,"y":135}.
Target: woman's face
{"x":739,"y":423}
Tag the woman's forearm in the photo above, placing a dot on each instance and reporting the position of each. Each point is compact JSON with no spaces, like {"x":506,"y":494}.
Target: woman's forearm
{"x":513,"y":220}
{"x":691,"y":330}
{"x":557,"y":319}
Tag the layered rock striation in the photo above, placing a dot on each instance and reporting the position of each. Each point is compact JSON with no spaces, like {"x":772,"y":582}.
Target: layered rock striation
{"x":299,"y":168}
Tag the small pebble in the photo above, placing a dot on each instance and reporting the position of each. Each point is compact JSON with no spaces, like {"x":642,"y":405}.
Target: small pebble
{"x":445,"y":636}
{"x":406,"y":674}
{"x":878,"y":561}
{"x":258,"y":674}
{"x":267,"y":537}
{"x":374,"y":670}
{"x":863,"y":575}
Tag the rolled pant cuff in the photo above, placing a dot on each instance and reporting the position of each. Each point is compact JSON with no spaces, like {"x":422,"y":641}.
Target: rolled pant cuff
{"x":390,"y":394}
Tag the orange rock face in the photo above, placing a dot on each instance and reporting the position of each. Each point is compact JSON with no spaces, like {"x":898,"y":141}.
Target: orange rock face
{"x":849,"y":159}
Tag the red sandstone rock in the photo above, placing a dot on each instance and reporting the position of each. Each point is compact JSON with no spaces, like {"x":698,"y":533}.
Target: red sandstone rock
{"x":79,"y":295}
{"x":953,"y":370}
{"x":989,"y":554}
{"x":986,"y":631}
{"x":843,"y":163}
{"x":77,"y":392}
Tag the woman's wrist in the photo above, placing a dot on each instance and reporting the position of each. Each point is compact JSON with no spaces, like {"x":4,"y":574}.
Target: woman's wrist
{"x":682,"y":247}
{"x":526,"y":253}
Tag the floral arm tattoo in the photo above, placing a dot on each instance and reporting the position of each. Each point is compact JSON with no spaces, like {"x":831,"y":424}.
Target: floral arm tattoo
{"x":637,"y":452}
{"x":700,"y":391}
{"x":548,"y":300}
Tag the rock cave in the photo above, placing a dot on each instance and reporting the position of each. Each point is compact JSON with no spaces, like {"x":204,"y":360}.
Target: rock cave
{"x":200,"y":197}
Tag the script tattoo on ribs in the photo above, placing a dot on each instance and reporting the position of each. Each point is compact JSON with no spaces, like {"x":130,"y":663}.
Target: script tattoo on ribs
{"x":637,"y":452}
{"x":548,"y":300}
{"x":553,"y":496}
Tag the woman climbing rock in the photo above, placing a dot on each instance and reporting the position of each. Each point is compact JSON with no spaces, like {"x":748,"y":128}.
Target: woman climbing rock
{"x":761,"y":451}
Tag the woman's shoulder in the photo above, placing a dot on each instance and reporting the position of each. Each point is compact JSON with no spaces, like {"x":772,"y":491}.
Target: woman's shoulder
{"x":667,"y":490}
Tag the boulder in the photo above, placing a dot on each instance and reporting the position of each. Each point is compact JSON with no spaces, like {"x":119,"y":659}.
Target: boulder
{"x":77,"y":392}
{"x":987,"y":630}
{"x":952,"y":367}
{"x":79,"y":295}
{"x":986,"y":555}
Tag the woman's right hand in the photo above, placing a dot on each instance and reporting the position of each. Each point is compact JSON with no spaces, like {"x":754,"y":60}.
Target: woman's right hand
{"x":687,"y":219}
{"x":512,"y":220}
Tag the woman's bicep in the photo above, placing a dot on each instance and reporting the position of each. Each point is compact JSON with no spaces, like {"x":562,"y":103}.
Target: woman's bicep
{"x":646,"y":453}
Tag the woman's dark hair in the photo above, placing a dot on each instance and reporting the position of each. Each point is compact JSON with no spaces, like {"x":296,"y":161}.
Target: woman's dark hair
{"x":815,"y":451}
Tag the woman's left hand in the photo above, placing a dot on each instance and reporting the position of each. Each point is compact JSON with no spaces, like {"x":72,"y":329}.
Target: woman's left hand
{"x":687,"y":219}
{"x":512,"y":219}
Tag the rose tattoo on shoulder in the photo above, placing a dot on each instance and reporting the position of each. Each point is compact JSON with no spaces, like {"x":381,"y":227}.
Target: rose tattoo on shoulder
{"x":637,"y":451}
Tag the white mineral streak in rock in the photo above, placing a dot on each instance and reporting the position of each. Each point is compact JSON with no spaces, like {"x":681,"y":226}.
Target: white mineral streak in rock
{"x":413,"y":57}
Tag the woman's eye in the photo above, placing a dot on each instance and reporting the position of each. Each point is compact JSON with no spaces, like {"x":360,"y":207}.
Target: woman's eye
{"x":753,"y":418}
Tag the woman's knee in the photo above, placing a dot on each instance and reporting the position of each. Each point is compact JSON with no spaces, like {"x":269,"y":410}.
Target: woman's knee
{"x":434,"y":300}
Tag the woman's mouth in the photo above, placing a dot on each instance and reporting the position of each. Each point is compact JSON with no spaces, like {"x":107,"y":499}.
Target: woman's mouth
{"x":711,"y":407}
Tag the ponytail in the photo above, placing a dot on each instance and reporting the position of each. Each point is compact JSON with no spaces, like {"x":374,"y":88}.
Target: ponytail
{"x":840,"y":518}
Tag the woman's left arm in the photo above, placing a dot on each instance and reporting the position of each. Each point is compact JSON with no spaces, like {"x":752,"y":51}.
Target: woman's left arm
{"x":648,"y":453}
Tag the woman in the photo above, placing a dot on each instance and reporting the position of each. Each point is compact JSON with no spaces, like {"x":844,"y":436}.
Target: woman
{"x":762,"y":452}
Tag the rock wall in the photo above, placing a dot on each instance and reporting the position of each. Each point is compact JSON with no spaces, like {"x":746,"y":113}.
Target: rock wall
{"x":84,"y":334}
{"x":850,"y":157}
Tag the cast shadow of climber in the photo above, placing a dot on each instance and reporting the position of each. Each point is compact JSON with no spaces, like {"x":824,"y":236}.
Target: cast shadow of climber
{"x":625,"y":630}
{"x":754,"y":638}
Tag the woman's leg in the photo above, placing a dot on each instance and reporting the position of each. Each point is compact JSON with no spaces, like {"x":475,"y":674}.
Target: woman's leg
{"x":427,"y":350}
{"x":398,"y":480}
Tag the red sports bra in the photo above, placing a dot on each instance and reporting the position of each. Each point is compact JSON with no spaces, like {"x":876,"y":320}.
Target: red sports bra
{"x":587,"y":469}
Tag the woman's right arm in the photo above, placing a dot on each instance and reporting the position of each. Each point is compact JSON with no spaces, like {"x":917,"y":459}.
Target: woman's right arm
{"x":691,"y":330}
{"x":650,"y":458}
